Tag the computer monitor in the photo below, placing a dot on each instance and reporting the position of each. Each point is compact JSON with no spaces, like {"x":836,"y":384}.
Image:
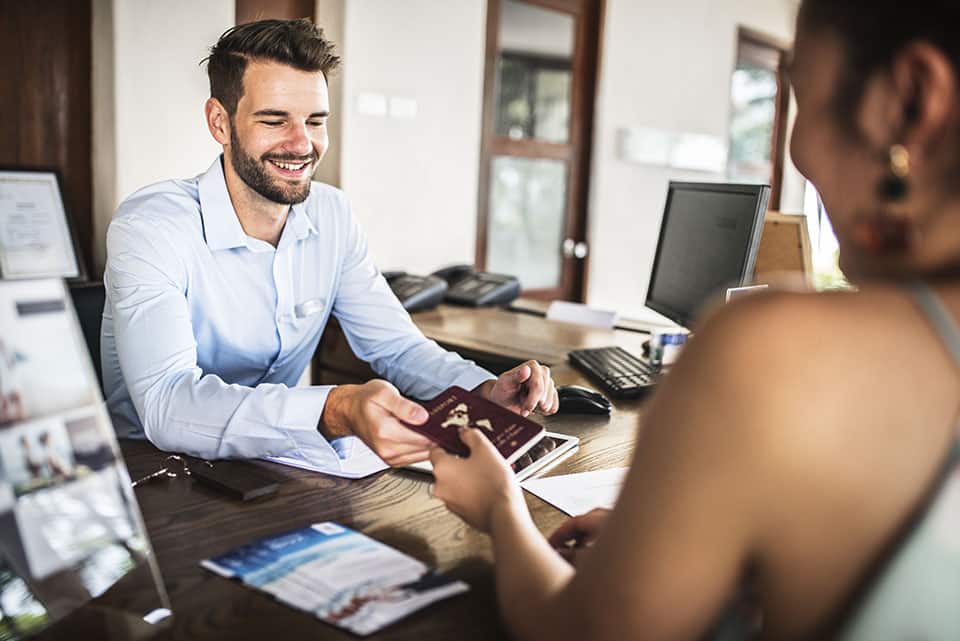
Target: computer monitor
{"x":708,"y":242}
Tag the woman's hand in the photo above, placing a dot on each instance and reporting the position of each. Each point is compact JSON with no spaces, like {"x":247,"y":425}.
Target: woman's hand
{"x":478,"y":487}
{"x":579,"y":533}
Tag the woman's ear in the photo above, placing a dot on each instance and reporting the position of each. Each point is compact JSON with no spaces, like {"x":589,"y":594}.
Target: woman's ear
{"x":924,"y":84}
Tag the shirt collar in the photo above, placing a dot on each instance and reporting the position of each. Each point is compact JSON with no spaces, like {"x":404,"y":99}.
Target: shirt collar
{"x":299,"y":222}
{"x":221,"y":227}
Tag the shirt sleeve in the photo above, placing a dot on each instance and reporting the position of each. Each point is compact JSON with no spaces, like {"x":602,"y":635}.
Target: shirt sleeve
{"x":181,"y":408}
{"x":381,"y":332}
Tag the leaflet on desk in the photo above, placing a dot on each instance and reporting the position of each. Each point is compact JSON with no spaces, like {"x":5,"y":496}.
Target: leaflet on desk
{"x":340,"y":576}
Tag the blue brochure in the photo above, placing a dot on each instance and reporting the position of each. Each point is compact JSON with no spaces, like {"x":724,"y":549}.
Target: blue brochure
{"x":339,"y":575}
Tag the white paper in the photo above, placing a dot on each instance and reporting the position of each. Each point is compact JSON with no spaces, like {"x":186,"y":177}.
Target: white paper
{"x":35,"y":238}
{"x":567,"y":312}
{"x":579,"y":493}
{"x":361,"y":462}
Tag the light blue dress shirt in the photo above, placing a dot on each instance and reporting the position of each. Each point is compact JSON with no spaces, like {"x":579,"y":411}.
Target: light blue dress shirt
{"x":206,"y":330}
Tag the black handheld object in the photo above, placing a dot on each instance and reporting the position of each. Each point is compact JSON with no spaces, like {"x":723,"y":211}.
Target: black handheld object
{"x":580,"y":400}
{"x":237,"y":479}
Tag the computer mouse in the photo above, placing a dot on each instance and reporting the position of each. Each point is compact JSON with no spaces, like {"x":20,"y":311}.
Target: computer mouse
{"x":580,"y":400}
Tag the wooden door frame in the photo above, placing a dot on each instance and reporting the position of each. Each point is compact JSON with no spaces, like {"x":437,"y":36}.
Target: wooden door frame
{"x":778,"y":139}
{"x":576,"y":153}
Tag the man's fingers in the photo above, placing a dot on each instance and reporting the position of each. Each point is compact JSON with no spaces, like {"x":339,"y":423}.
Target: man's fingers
{"x":536,"y":386}
{"x":402,"y":408}
{"x":548,"y":402}
{"x":554,"y":404}
{"x":519,"y":375}
{"x":395,"y":434}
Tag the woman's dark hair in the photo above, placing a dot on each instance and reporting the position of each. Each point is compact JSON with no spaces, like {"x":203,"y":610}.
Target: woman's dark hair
{"x":298,"y":43}
{"x":874,"y":31}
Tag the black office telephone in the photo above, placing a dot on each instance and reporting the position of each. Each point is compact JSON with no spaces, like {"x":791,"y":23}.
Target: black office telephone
{"x":416,"y":293}
{"x":457,"y":284}
{"x":477,"y":289}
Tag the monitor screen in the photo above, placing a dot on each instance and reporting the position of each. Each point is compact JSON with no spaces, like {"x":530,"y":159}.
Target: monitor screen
{"x":708,"y":242}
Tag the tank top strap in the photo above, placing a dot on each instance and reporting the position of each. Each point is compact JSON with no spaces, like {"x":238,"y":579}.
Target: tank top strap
{"x":940,"y":318}
{"x":947,"y":329}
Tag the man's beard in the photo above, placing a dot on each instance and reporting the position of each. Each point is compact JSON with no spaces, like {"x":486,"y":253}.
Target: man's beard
{"x":256,"y":176}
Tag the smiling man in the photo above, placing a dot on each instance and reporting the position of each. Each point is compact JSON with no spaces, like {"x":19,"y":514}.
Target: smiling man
{"x":219,"y":287}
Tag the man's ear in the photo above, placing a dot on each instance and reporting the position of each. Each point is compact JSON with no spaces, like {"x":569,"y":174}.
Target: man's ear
{"x":218,"y":121}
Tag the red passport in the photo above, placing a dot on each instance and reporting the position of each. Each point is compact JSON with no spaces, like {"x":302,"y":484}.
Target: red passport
{"x":510,"y":433}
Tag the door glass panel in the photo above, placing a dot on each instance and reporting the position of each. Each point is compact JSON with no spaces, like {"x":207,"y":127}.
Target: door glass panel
{"x":753,"y":92}
{"x":534,"y":72}
{"x":527,"y":207}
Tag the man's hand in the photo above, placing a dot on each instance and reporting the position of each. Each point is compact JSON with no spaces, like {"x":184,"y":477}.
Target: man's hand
{"x":374,"y":411}
{"x":524,"y":389}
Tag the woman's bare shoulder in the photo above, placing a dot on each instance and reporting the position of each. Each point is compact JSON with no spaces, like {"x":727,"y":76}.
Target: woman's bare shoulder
{"x":775,"y":364}
{"x":776,"y":333}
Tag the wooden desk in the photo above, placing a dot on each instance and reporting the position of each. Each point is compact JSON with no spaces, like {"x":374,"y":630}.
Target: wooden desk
{"x":188,"y":522}
{"x":495,"y":338}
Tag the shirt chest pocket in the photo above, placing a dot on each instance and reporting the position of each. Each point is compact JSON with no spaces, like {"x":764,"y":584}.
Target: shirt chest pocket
{"x":304,"y":318}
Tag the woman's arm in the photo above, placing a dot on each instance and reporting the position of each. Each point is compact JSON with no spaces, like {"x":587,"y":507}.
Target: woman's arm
{"x":709,"y":460}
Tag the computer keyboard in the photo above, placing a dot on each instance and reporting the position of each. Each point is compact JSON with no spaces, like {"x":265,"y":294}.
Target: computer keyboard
{"x":619,"y":372}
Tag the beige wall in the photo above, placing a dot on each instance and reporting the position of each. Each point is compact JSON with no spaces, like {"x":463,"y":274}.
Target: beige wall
{"x":413,"y":181}
{"x":329,"y":16}
{"x":148,"y":96}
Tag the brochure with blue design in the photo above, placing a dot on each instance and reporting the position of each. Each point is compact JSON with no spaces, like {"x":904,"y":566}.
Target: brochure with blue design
{"x":340,"y":576}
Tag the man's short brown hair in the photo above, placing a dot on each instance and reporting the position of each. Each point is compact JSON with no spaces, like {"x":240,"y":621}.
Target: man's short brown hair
{"x":298,"y":43}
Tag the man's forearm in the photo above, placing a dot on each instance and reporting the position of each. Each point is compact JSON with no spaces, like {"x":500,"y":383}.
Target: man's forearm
{"x":333,"y":420}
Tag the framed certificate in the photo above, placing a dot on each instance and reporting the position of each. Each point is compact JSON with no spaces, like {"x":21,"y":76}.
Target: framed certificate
{"x":36,"y":239}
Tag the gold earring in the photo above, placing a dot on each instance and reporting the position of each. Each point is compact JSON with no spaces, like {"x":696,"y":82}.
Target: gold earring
{"x":885,"y":232}
{"x":894,"y":186}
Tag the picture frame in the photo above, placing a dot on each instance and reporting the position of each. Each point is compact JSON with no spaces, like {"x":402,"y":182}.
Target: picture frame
{"x":37,"y":238}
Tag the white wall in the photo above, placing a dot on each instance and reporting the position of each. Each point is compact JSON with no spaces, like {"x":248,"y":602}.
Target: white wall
{"x":148,"y":113}
{"x":329,"y":17}
{"x":664,"y":65}
{"x":413,"y":181}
